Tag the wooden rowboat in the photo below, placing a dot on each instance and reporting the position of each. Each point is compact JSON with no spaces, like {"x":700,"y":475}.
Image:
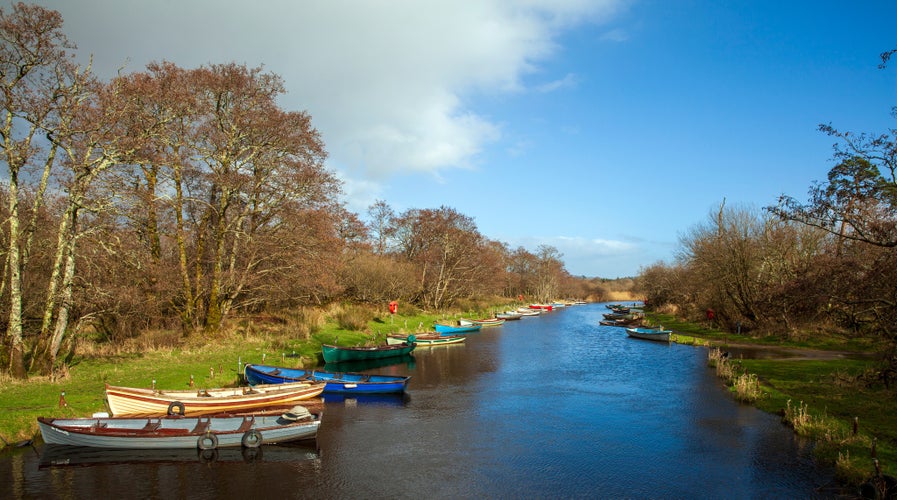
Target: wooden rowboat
{"x":526,"y":311}
{"x":338,"y":354}
{"x":180,"y":432}
{"x":650,"y":334}
{"x":139,"y":402}
{"x":426,"y":339}
{"x":484,"y":322}
{"x":334,"y":383}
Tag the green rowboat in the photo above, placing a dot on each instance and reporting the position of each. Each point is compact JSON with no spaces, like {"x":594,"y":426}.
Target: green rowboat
{"x":337,"y":354}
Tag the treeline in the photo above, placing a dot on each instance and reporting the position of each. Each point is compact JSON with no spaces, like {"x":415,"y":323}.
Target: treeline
{"x":172,"y":198}
{"x":796,"y":269}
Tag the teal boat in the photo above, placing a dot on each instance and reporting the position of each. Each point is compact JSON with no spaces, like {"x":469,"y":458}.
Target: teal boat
{"x":337,"y":354}
{"x":456,"y":330}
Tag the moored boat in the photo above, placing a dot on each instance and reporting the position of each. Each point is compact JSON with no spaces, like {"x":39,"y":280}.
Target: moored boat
{"x":180,"y":432}
{"x":140,"y":402}
{"x":542,"y":307}
{"x":426,"y":339}
{"x":338,"y":354}
{"x":650,"y":333}
{"x":334,"y":382}
{"x":482,"y":322}
{"x":509,"y":315}
{"x":444,"y":329}
{"x":526,"y":311}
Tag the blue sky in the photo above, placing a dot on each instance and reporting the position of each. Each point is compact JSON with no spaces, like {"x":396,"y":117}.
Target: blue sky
{"x":606,"y":129}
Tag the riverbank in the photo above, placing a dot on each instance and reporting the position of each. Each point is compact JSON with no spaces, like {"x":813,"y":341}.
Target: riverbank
{"x":823,"y":388}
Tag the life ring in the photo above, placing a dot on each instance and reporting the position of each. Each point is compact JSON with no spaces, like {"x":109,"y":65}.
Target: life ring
{"x":179,"y":406}
{"x":251,"y":439}
{"x":207,"y":441}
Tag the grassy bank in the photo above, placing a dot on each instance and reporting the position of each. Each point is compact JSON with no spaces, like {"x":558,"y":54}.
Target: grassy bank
{"x":825,"y":395}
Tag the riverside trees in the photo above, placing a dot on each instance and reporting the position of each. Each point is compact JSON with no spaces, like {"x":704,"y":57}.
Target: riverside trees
{"x":830,"y":261}
{"x":167,"y":193}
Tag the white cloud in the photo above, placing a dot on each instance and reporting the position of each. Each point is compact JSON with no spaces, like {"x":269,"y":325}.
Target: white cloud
{"x":386,"y":83}
{"x":588,"y":256}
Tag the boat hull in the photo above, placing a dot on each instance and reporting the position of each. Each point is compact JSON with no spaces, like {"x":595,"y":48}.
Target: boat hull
{"x":649,"y":334}
{"x":481,"y":322}
{"x":337,"y":354}
{"x":173,"y":432}
{"x":334,"y":383}
{"x":428,"y":341}
{"x":455,"y":330}
{"x":138,"y":402}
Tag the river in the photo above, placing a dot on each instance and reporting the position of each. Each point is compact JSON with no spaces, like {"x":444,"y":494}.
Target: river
{"x":554,"y":406}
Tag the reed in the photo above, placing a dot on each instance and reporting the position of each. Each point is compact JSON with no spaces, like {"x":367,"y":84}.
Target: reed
{"x":747,"y":388}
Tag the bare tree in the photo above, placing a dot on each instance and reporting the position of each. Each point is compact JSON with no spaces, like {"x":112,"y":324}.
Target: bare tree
{"x":35,"y":73}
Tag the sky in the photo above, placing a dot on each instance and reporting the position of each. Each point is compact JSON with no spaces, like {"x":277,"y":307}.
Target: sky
{"x":606,"y":129}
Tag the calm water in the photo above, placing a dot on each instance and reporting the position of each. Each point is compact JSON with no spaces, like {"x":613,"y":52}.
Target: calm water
{"x":547,"y":407}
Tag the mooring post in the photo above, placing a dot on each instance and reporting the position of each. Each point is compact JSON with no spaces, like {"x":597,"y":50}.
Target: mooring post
{"x":856,"y":425}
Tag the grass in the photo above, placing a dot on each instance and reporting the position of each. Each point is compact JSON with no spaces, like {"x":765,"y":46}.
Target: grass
{"x":827,"y":400}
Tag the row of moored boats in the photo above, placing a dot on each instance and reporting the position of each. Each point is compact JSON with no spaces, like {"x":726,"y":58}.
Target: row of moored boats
{"x":279,"y":404}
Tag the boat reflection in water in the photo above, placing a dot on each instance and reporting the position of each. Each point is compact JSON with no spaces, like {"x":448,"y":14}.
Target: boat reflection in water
{"x":370,"y":364}
{"x":387,"y":399}
{"x":54,"y":455}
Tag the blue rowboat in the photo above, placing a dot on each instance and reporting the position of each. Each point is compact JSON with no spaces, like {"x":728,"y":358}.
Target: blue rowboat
{"x":335,"y":383}
{"x":455,"y":330}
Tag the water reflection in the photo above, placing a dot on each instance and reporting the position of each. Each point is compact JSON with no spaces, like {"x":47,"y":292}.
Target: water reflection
{"x":68,"y":456}
{"x":370,"y":364}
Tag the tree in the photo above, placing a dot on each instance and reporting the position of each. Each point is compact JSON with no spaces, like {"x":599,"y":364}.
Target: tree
{"x":381,"y":225}
{"x":548,"y":273}
{"x":36,"y":73}
{"x":444,"y":245}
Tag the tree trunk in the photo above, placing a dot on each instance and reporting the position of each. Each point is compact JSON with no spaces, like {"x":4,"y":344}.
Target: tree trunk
{"x":14,"y":330}
{"x":62,"y":318}
{"x":39,"y":349}
{"x":188,"y":312}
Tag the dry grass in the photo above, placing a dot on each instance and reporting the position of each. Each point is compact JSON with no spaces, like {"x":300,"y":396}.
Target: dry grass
{"x":747,"y":388}
{"x":354,"y":318}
